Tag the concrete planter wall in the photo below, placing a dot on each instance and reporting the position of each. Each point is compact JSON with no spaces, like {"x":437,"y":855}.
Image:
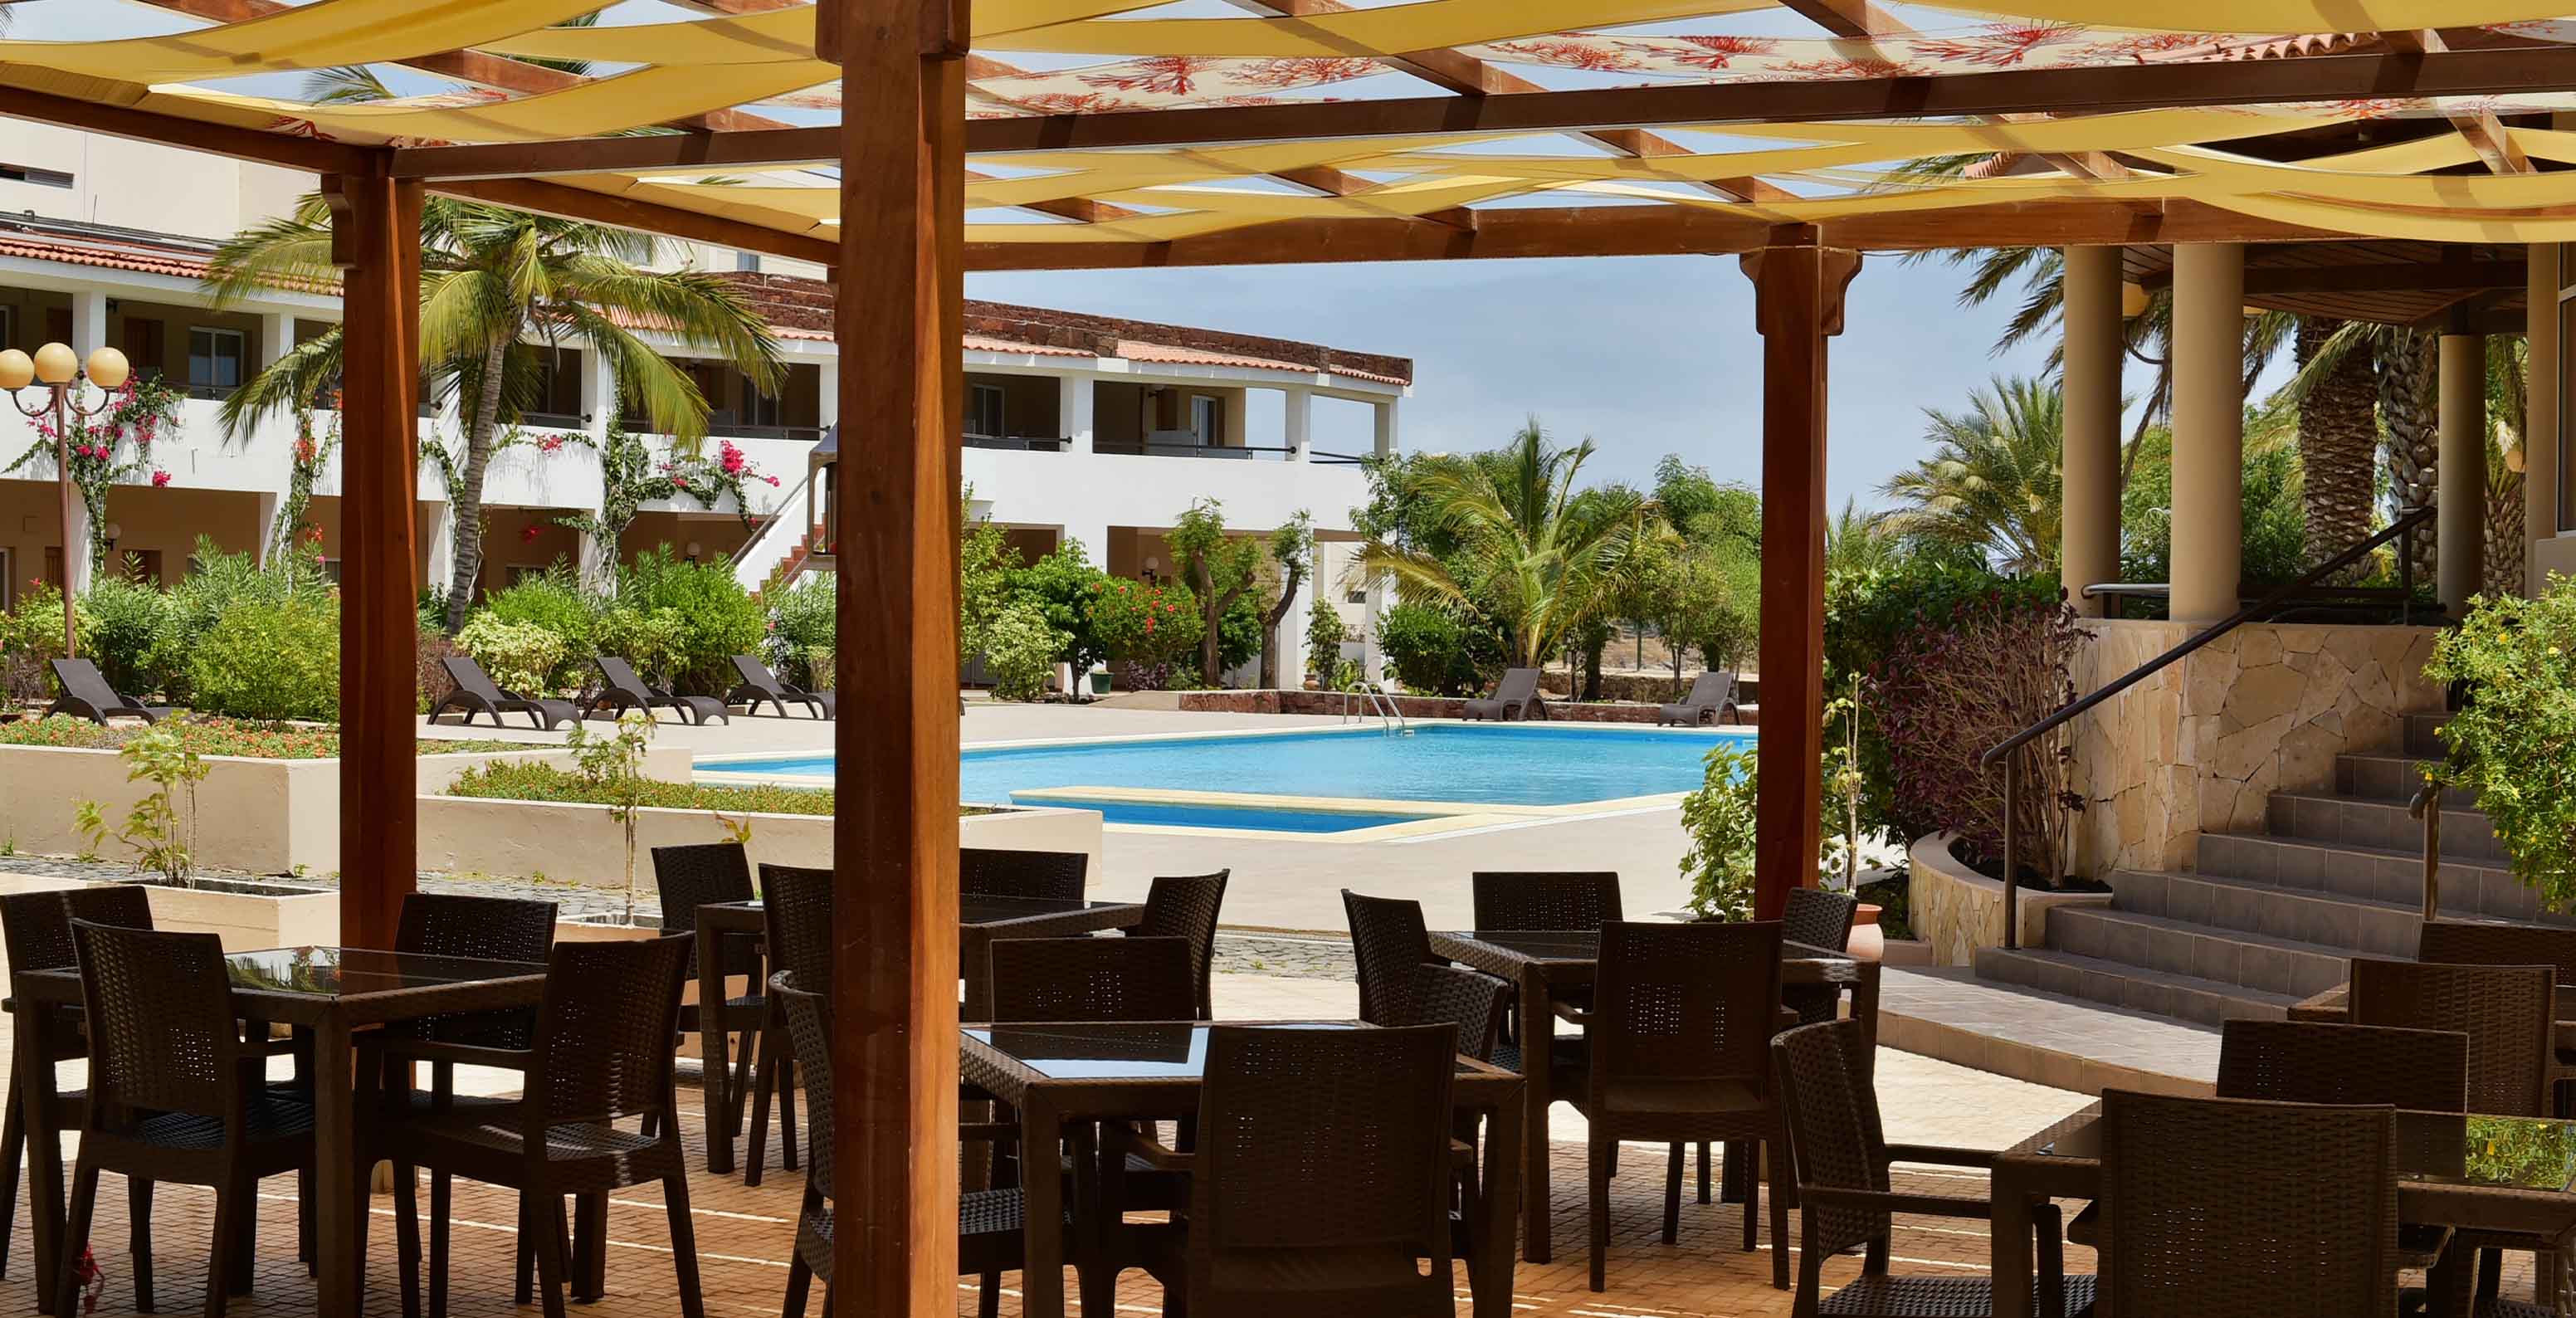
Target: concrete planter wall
{"x":1335,"y":703}
{"x":250,"y":920}
{"x":1955,"y":910}
{"x":257,"y":816}
{"x":585,"y":844}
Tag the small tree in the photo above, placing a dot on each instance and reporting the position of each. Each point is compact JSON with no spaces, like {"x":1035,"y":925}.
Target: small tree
{"x":1324,"y":637}
{"x":1720,"y":819}
{"x":1292,"y":547}
{"x":1219,"y":569}
{"x":615,"y":764}
{"x":985,"y":561}
{"x":2508,"y":746}
{"x":162,"y":836}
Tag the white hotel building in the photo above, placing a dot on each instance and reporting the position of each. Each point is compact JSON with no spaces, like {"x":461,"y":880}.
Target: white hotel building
{"x":1096,"y":429}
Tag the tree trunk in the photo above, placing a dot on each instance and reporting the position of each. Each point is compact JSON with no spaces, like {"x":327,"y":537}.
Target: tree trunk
{"x":2504,"y":567}
{"x":2338,"y":444}
{"x":1592,"y":669}
{"x":2406,"y":407}
{"x":467,"y":498}
{"x":1270,"y":627}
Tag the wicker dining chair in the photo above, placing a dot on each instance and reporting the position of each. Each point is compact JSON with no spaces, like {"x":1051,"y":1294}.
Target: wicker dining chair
{"x":1055,"y":876}
{"x":37,"y":930}
{"x":1521,"y":900}
{"x":2459,"y":942}
{"x":1388,"y":939}
{"x":1677,"y":1053}
{"x":2238,"y":1208}
{"x":175,"y":1095}
{"x":1455,"y":995}
{"x":989,"y":1222}
{"x":601,"y":1056}
{"x":715,"y":874}
{"x":1845,"y":1195}
{"x":796,"y":916}
{"x":1321,"y":1182}
{"x":1093,"y":979}
{"x":2509,"y":1014}
{"x":1186,"y":907}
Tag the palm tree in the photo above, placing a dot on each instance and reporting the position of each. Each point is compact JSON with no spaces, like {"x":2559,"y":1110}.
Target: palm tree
{"x":1856,"y":541}
{"x":1526,"y":555}
{"x":494,"y":283}
{"x":2338,"y":438}
{"x":1993,"y":483}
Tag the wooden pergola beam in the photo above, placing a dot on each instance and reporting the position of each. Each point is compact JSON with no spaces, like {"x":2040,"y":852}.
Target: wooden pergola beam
{"x":572,"y":203}
{"x":134,"y":125}
{"x":2014,"y":91}
{"x":2480,"y":128}
{"x":2426,"y":276}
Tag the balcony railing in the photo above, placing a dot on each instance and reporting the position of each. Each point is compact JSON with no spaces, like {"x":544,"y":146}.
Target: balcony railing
{"x":1153,"y":448}
{"x":735,"y":430}
{"x":1019,"y":443}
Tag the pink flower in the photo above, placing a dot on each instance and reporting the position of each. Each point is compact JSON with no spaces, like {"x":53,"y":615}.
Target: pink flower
{"x":159,"y":479}
{"x":679,"y":483}
{"x":773,"y":481}
{"x":730,"y":458}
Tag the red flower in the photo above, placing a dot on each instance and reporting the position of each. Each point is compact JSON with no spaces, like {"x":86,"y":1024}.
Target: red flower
{"x":159,"y":479}
{"x":527,"y":533}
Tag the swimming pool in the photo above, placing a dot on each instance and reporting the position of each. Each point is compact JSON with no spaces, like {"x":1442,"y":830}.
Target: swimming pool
{"x":1517,"y":765}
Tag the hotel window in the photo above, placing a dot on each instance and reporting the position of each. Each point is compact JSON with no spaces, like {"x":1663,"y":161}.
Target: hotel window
{"x":8,"y":327}
{"x":759,"y":409}
{"x":215,"y":359}
{"x":1207,"y":418}
{"x":984,"y":413}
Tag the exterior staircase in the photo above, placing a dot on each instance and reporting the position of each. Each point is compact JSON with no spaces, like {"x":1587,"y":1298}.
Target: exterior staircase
{"x":2271,"y":918}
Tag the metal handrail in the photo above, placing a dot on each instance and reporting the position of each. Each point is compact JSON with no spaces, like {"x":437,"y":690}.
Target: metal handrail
{"x":2003,"y":750}
{"x":760,"y":530}
{"x":2427,"y":806}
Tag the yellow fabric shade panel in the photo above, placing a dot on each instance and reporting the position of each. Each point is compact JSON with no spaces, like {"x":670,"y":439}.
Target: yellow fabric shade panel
{"x":1392,"y":30}
{"x":591,"y":109}
{"x":313,"y":36}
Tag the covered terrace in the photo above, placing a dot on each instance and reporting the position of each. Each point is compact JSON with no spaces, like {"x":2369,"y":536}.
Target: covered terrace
{"x":1179,"y":144}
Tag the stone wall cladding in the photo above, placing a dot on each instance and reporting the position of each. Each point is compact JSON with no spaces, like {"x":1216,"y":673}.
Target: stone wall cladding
{"x":2201,"y":745}
{"x":1954,"y":910}
{"x":1644,"y":688}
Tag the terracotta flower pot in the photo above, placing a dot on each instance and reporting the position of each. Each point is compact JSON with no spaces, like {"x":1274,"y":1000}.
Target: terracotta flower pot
{"x":1867,"y":943}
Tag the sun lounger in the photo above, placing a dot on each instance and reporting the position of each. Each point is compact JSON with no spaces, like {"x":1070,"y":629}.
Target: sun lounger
{"x":759,"y":684}
{"x":477,"y":693}
{"x":623,"y":690}
{"x":1711,"y":696}
{"x":86,"y":693}
{"x":1515,"y":697}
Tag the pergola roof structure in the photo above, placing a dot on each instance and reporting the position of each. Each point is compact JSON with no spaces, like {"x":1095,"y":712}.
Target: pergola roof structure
{"x":900,"y":143}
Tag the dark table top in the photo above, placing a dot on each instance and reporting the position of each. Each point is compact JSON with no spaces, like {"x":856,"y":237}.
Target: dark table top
{"x":988,"y":908}
{"x":1116,"y":1050}
{"x":352,"y":985}
{"x":2437,"y":1148}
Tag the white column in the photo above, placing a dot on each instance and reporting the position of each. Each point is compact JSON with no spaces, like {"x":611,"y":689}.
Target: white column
{"x":276,"y":337}
{"x":442,"y":547}
{"x":598,"y":562}
{"x":269,"y":502}
{"x":1373,"y":659}
{"x":1074,"y":408}
{"x":1094,"y":539}
{"x":2208,"y":429}
{"x":2090,"y":529}
{"x":2460,"y":515}
{"x":598,"y":392}
{"x":89,"y":322}
{"x":1386,"y":417}
{"x":2540,"y":413}
{"x":1298,"y":429}
{"x":830,"y":409}
{"x":1292,"y":633}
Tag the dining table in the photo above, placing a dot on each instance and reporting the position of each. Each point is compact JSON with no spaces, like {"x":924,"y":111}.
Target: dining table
{"x":2509,"y":1174}
{"x":1069,"y":1077}
{"x":981,"y":919}
{"x":327,"y":994}
{"x":1546,"y":966}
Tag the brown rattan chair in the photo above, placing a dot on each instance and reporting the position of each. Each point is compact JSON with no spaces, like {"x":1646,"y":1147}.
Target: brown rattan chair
{"x":1545,"y":899}
{"x":1677,"y":1053}
{"x":1321,"y":1183}
{"x":2461,"y":943}
{"x":1186,"y":907}
{"x":175,"y":1095}
{"x":989,"y":1222}
{"x":1454,"y":995}
{"x":37,"y":930}
{"x":1845,"y":1196}
{"x":715,"y":874}
{"x":1093,"y":979}
{"x":796,"y":913}
{"x":1056,"y":876}
{"x":601,"y":1055}
{"x":2509,"y":1015}
{"x":2236,"y":1208}
{"x":1388,"y":940}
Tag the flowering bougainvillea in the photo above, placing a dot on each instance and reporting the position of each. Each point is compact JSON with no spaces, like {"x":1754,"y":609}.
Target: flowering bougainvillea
{"x":707,"y":480}
{"x":314,"y":444}
{"x":109,"y":447}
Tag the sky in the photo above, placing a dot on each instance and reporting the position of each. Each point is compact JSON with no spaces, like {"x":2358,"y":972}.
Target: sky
{"x":1643,"y":355}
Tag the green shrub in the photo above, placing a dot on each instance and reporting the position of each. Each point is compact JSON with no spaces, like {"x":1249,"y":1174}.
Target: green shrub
{"x":1020,"y":653}
{"x":554,"y":601}
{"x":271,"y":661}
{"x":2507,"y":747}
{"x":802,"y":619}
{"x":1238,"y":634}
{"x":29,"y":636}
{"x":526,"y":780}
{"x":220,"y":583}
{"x":648,"y":641}
{"x":519,"y":655}
{"x":1324,"y":636}
{"x":718,"y":618}
{"x":1144,"y":624}
{"x":208,"y":734}
{"x":1719,"y":818}
{"x":1062,"y":585}
{"x":125,"y":629}
{"x":1431,"y":651}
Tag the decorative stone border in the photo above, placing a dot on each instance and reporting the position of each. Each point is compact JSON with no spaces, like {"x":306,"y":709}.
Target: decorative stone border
{"x":1955,"y":910}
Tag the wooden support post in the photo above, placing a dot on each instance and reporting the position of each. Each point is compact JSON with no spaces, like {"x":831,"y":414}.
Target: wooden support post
{"x":899,"y":320}
{"x":1798,"y":304}
{"x":375,"y":241}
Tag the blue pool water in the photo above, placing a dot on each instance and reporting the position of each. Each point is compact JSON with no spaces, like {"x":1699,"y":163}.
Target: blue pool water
{"x":1172,"y":814}
{"x":1514,"y":764}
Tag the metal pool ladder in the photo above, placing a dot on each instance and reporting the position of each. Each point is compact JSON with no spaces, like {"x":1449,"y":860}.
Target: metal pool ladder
{"x":1383,"y":705}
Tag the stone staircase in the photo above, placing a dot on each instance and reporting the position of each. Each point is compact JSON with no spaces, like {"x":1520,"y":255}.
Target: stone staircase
{"x":2271,"y":918}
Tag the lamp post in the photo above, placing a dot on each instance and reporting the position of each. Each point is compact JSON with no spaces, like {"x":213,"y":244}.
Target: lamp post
{"x":57,"y":369}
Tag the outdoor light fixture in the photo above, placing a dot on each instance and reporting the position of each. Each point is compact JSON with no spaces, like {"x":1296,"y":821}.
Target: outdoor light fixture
{"x":57,"y":369}
{"x":693,"y":551}
{"x":114,"y":531}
